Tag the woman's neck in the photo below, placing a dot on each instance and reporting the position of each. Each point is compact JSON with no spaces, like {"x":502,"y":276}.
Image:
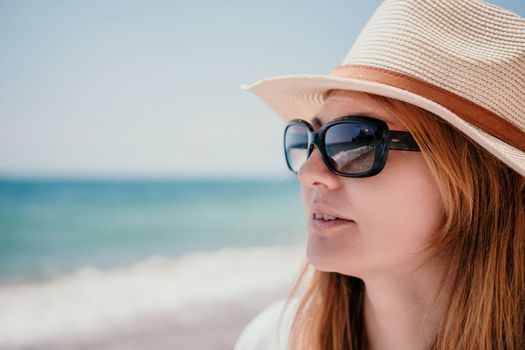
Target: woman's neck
{"x":400,"y":311}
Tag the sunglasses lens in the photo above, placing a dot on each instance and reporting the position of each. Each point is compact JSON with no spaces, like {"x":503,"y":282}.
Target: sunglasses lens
{"x":296,"y":146}
{"x":351,"y":147}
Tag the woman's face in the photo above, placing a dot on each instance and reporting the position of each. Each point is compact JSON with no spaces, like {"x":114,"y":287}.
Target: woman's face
{"x":394,"y":213}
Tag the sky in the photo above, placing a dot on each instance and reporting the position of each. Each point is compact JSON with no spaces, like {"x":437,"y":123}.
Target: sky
{"x":151,"y":89}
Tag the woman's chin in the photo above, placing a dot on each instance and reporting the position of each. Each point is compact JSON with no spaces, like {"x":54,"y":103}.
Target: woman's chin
{"x":326,"y":256}
{"x":323,"y":257}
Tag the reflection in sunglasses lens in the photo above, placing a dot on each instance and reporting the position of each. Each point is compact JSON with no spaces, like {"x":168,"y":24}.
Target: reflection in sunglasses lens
{"x":296,"y":146}
{"x":351,"y":147}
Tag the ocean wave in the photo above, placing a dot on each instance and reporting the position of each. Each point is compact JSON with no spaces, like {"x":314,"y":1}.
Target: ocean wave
{"x":92,"y":300}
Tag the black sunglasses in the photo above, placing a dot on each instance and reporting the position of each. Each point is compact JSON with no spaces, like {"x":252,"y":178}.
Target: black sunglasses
{"x":350,"y":146}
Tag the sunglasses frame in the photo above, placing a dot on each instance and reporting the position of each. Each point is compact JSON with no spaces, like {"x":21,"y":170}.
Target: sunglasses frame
{"x":384,"y":139}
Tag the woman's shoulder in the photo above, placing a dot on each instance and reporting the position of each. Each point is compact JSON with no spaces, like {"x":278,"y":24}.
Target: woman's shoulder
{"x":264,"y":332}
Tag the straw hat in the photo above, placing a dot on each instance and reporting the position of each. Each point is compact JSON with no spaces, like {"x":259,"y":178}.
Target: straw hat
{"x":463,"y":60}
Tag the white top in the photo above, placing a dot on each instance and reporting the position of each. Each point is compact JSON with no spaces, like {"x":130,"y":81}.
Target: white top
{"x":262,"y":332}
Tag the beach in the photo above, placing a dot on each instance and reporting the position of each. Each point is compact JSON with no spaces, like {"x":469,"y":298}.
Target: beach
{"x":214,"y":329}
{"x":199,"y":301}
{"x":141,"y":264}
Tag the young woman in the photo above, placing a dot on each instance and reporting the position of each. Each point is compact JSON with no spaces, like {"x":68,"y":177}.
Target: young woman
{"x":411,"y":158}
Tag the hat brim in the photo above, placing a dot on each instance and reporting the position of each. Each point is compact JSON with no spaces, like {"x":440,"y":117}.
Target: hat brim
{"x":301,"y":96}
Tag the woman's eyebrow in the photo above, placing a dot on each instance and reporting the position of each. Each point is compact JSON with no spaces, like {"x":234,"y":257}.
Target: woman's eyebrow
{"x":316,"y":122}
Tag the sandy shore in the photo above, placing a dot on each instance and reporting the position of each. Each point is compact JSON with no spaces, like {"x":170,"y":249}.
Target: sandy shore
{"x":201,"y":301}
{"x":215,"y":328}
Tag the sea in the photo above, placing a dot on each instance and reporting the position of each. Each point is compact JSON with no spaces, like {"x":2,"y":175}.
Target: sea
{"x":79,"y":257}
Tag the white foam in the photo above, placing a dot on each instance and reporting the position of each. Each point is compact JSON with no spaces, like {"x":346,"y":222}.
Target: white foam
{"x":93,"y":300}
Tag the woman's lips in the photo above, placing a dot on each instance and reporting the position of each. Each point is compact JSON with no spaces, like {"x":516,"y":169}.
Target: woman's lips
{"x":319,"y":224}
{"x":324,"y":217}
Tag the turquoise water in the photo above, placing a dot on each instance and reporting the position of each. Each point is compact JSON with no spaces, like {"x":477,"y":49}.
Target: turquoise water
{"x":50,"y":228}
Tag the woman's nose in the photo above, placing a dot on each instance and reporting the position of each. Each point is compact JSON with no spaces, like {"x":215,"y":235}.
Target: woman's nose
{"x":314,"y":173}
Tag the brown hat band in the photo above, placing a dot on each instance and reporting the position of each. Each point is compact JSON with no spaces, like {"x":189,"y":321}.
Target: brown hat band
{"x":466,"y":109}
